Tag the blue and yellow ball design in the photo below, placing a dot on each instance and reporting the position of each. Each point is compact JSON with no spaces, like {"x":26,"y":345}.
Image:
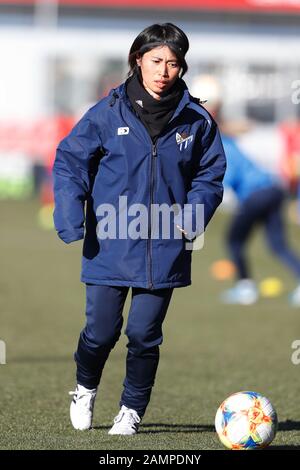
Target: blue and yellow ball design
{"x":246,"y":421}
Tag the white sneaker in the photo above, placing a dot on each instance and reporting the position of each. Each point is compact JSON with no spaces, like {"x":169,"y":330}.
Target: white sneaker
{"x":244,"y":293}
{"x":294,"y":297}
{"x":126,"y":422}
{"x":82,"y":406}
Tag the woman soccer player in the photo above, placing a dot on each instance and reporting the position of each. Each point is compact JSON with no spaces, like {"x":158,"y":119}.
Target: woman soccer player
{"x":148,"y":143}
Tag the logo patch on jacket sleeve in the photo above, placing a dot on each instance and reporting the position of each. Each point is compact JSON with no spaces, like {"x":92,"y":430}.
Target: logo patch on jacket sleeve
{"x":183,"y":140}
{"x":123,"y":130}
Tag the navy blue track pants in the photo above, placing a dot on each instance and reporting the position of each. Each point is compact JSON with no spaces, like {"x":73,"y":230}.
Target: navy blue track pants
{"x":104,"y":320}
{"x":263,"y":207}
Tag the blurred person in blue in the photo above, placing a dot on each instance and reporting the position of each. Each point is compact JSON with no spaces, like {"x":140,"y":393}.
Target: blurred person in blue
{"x":260,"y":197}
{"x":260,"y":202}
{"x":150,"y":141}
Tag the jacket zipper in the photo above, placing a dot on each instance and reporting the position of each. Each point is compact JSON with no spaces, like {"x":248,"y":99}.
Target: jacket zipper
{"x":152,"y":182}
{"x":149,"y":241}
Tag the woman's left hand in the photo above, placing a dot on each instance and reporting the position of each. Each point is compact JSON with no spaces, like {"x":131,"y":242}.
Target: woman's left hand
{"x":181,"y":230}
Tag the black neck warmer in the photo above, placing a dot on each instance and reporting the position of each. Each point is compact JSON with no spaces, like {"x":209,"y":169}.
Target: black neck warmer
{"x":155,"y":114}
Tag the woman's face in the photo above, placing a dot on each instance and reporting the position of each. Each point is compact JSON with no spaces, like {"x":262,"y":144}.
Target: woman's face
{"x":160,"y":69}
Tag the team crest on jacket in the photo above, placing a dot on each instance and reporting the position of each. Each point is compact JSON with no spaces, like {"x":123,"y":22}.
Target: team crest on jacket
{"x":183,"y":140}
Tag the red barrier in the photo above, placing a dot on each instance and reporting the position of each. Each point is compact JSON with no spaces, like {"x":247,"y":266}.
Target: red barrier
{"x":38,"y":139}
{"x":290,"y":162}
{"x":288,"y":6}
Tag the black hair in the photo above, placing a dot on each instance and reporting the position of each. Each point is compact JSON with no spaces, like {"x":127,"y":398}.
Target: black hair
{"x":158,"y":35}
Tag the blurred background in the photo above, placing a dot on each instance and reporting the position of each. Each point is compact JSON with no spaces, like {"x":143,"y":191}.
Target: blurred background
{"x":57,"y":58}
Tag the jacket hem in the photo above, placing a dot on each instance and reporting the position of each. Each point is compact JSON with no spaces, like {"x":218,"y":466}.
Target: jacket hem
{"x":144,"y":285}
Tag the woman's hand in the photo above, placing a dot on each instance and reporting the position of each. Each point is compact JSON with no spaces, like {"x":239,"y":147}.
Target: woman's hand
{"x":181,"y":230}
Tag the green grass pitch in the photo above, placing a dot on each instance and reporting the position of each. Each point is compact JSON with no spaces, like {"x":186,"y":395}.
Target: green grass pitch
{"x":209,"y":350}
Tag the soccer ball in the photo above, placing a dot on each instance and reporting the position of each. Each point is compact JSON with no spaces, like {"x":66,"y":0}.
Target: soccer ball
{"x":246,"y":421}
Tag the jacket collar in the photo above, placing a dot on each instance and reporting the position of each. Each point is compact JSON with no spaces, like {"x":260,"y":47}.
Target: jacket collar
{"x":120,"y":92}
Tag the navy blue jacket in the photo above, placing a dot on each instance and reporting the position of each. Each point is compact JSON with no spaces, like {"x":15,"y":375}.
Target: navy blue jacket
{"x":108,"y":154}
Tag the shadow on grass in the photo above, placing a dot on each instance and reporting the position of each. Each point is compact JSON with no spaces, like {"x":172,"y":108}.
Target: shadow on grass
{"x":171,"y":428}
{"x":176,"y":428}
{"x":289,"y":425}
{"x":156,"y":428}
